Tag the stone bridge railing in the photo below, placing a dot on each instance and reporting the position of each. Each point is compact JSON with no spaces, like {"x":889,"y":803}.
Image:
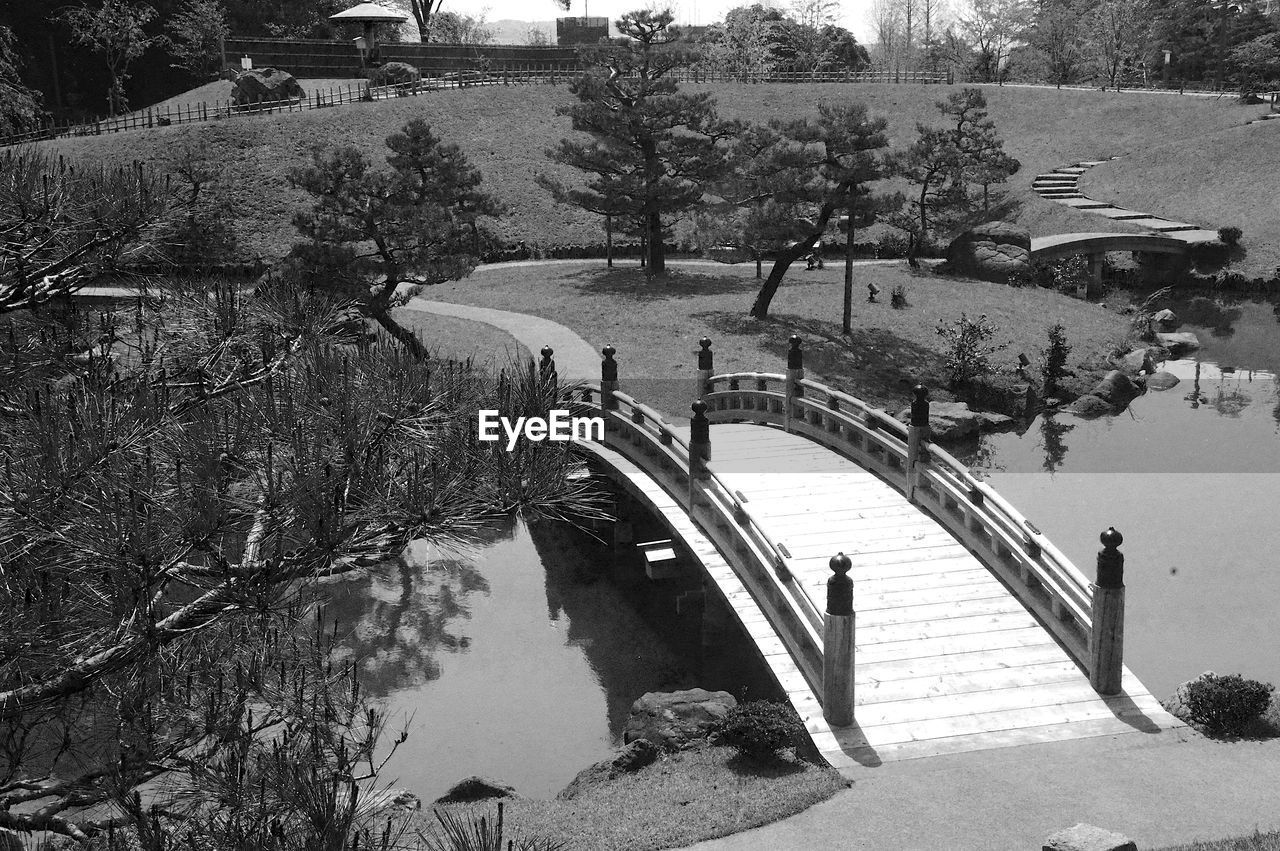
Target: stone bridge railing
{"x":1086,"y":618}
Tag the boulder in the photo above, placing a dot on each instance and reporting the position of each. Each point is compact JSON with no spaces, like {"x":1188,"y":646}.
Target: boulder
{"x":674,"y":720}
{"x":633,"y":757}
{"x":1089,"y":407}
{"x":395,"y":73}
{"x":1137,"y":362}
{"x":991,"y":252}
{"x":1179,"y":343}
{"x":1178,"y":703}
{"x":953,"y":421}
{"x":476,"y":789}
{"x":1086,"y":837}
{"x":1162,"y":381}
{"x":1166,"y":319}
{"x":1117,"y":390}
{"x":264,"y":85}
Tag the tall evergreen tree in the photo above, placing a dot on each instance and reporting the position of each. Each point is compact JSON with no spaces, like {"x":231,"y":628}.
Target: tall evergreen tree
{"x":652,"y":147}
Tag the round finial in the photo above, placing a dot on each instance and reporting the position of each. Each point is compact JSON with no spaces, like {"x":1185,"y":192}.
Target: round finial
{"x":795,"y":355}
{"x":609,"y":352}
{"x":699,"y":409}
{"x":1111,"y":538}
{"x":922,"y":393}
{"x":705,"y":342}
{"x":547,"y":351}
{"x":795,"y":341}
{"x":840,"y":563}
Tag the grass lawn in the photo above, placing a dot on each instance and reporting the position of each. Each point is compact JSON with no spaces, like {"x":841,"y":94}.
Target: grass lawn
{"x":681,"y":799}
{"x":656,"y":326}
{"x":450,"y":338}
{"x":505,"y":131}
{"x":1256,"y":842}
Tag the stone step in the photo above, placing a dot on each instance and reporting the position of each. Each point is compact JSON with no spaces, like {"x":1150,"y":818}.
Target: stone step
{"x":1085,"y":204}
{"x":1122,"y":214}
{"x":1070,"y":170}
{"x":1056,"y":178}
{"x":1054,"y":184}
{"x":1090,"y":163}
{"x":1060,"y":196}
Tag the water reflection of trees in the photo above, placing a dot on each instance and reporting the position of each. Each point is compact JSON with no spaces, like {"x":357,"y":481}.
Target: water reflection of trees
{"x":397,"y":618}
{"x":1052,"y":430}
{"x":610,"y":622}
{"x":1209,"y":313}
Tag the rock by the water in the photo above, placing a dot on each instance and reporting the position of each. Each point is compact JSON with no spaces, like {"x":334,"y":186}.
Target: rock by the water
{"x":476,"y":789}
{"x":1086,"y":837}
{"x":1177,"y":705}
{"x":1162,"y":381}
{"x":1089,"y":407}
{"x":1166,"y":319}
{"x":1179,"y":343}
{"x":1116,"y":389}
{"x":953,"y":421}
{"x":673,"y":720}
{"x":1137,"y":362}
{"x":991,"y":252}
{"x":265,"y":85}
{"x":633,"y":757}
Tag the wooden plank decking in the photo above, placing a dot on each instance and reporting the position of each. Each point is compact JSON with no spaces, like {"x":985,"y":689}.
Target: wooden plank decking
{"x":946,"y":658}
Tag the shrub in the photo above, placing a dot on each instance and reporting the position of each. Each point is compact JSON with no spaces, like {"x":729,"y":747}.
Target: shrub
{"x":394,"y":73}
{"x":1226,"y":704}
{"x":893,"y":245}
{"x":898,"y":296}
{"x":1230,"y":235}
{"x":760,"y":728}
{"x":968,"y":354}
{"x":1053,"y":367}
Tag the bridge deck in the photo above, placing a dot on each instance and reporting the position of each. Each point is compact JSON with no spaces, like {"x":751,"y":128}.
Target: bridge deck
{"x":946,"y":658}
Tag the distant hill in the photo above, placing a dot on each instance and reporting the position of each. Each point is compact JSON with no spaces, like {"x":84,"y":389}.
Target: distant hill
{"x":510,"y":31}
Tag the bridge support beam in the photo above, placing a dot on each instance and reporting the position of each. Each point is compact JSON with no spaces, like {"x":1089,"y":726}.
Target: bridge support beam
{"x":1106,"y":641}
{"x":837,"y":645}
{"x":1093,"y":281}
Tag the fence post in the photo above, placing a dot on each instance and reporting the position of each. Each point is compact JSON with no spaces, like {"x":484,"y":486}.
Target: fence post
{"x":699,"y":449}
{"x":795,"y":372}
{"x":917,"y":437}
{"x":547,"y":366}
{"x":1106,"y":640}
{"x":837,"y":645}
{"x":608,"y":381}
{"x":704,"y":367}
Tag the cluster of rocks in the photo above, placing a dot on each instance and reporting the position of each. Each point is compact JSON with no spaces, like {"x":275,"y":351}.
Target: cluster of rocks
{"x":950,"y":422}
{"x":265,"y":85}
{"x":658,"y":722}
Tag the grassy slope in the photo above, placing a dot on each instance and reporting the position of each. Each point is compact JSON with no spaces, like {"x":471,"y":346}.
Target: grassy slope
{"x":219,"y":92}
{"x":505,"y":131}
{"x":655,"y":327}
{"x":1232,"y":171}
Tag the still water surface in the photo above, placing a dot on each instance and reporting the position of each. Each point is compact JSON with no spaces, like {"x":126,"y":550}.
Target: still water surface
{"x":520,"y":661}
{"x":1191,"y":478}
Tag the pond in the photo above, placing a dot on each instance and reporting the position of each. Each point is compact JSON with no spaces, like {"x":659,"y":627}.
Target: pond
{"x":1191,"y":478}
{"x":520,"y":661}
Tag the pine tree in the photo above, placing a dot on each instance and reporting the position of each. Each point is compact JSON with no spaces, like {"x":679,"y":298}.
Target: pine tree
{"x":652,"y":148}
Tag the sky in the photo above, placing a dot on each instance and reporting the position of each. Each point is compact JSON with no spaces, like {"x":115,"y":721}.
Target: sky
{"x":854,"y":14}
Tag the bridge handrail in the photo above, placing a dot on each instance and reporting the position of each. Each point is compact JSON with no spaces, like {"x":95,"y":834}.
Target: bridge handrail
{"x":809,"y":409}
{"x":729,"y":500}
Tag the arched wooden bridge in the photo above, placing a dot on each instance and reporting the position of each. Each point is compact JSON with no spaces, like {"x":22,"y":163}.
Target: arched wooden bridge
{"x":972,"y":630}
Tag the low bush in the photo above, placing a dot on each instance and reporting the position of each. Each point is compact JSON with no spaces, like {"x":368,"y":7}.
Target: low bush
{"x":1226,"y":704}
{"x":1230,"y":235}
{"x":967,"y":349}
{"x":761,"y":728}
{"x":898,"y":296}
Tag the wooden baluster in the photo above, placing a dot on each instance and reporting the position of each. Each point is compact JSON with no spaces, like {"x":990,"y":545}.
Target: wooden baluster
{"x":795,"y":372}
{"x":547,"y":366}
{"x":1106,"y":640}
{"x":608,"y":379}
{"x":699,"y":449}
{"x":704,"y":367}
{"x":837,"y":645}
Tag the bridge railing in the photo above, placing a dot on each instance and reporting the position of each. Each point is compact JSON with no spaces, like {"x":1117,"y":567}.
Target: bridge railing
{"x":642,"y":435}
{"x":1044,"y":579}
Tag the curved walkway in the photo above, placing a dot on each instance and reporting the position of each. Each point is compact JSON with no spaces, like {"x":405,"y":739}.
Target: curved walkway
{"x":1062,"y":185}
{"x":575,"y":359}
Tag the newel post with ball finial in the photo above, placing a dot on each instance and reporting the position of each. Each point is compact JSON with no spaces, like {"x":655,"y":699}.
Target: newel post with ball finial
{"x":837,"y":645}
{"x":1106,"y":638}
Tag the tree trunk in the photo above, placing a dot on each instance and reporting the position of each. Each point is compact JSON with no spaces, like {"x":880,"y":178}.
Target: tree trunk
{"x":656,"y":247}
{"x":760,"y":309}
{"x":759,"y":267}
{"x":846,"y":319}
{"x":402,"y":334}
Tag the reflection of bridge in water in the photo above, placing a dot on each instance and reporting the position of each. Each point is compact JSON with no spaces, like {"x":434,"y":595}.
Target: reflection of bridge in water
{"x":972,"y":630}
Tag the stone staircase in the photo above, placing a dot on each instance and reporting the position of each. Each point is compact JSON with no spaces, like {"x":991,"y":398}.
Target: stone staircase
{"x":1062,"y":185}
